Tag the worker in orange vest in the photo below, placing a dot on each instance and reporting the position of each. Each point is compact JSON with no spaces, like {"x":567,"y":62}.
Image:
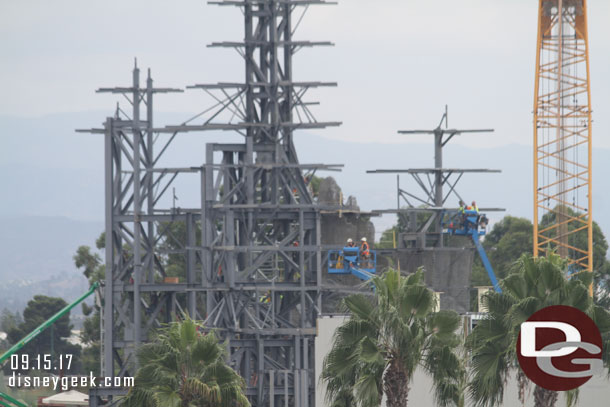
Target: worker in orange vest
{"x":365,"y":253}
{"x":364,"y":248}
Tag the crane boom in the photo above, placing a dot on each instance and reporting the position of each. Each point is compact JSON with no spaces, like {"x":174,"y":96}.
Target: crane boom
{"x":28,"y":338}
{"x":5,"y":399}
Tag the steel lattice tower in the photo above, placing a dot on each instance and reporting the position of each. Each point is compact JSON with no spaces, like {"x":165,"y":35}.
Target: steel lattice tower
{"x":137,"y":298}
{"x":562,"y":134}
{"x":252,"y":250}
{"x":436,"y":185}
{"x":261,"y":243}
{"x":425,"y":208}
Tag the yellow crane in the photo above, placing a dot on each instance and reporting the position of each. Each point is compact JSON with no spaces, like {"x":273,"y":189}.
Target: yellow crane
{"x":562,"y":135}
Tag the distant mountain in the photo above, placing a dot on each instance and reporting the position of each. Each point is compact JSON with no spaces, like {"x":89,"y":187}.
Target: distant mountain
{"x":15,"y":294}
{"x":38,"y":248}
{"x":52,"y":186}
{"x":36,"y":258}
{"x":512,"y":189}
{"x":47,"y":169}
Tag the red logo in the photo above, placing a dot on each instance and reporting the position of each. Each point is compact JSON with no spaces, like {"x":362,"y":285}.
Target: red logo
{"x":559,"y":348}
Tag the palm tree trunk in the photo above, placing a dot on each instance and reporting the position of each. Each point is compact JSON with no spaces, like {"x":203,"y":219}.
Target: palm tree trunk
{"x":523,"y":385}
{"x":544,"y":397}
{"x":396,"y":385}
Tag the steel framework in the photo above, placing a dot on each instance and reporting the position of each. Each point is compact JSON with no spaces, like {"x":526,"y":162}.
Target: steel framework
{"x":425,"y":231}
{"x":421,"y":212}
{"x":562,"y":134}
{"x":261,"y":243}
{"x":137,"y":295}
{"x":253,"y":252}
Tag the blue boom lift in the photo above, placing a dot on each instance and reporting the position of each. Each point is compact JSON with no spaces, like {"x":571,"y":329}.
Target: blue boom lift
{"x":460,"y":223}
{"x":349,"y":261}
{"x":471,"y":223}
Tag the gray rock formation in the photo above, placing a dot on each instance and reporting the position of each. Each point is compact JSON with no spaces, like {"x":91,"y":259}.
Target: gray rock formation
{"x":337,"y":227}
{"x":329,"y":192}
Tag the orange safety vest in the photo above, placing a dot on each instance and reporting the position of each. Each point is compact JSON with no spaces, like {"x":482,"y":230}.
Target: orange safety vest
{"x":365,"y":248}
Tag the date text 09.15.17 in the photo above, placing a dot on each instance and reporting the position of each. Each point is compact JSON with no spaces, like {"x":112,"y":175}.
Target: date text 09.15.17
{"x":41,"y":362}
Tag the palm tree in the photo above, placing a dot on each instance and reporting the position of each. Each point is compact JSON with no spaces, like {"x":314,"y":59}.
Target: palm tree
{"x":185,"y":367}
{"x":536,"y":283}
{"x":377,"y":350}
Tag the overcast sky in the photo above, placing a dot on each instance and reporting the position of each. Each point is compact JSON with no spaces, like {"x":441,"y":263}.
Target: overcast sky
{"x":397,"y":62}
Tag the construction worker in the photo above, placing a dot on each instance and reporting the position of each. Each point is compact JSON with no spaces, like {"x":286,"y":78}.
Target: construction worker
{"x":364,"y":248}
{"x":474,"y":207}
{"x":365,"y":253}
{"x":462,"y":206}
{"x":350,"y":242}
{"x":461,"y":214}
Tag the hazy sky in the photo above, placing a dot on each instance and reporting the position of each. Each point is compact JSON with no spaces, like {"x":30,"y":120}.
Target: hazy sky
{"x":397,"y":62}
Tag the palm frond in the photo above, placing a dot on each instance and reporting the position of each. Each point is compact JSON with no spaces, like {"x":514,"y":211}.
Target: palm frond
{"x":359,"y":306}
{"x":367,"y":391}
{"x":183,"y":367}
{"x":396,"y":329}
{"x":572,"y":397}
{"x":416,"y":301}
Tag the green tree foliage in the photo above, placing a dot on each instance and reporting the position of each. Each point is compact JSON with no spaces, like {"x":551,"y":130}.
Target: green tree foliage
{"x":579,"y":239}
{"x":9,"y":320}
{"x":90,"y":263}
{"x":51,"y":341}
{"x":512,"y":237}
{"x":173,"y":247}
{"x":388,"y":237}
{"x":185,"y":367}
{"x":94,"y":270}
{"x":376,"y":352}
{"x":536,"y":284}
{"x":314,"y":183}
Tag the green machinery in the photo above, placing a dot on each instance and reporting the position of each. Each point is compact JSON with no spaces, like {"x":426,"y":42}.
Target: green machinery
{"x":5,"y":399}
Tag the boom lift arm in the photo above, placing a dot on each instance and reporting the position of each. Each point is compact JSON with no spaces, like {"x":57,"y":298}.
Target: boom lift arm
{"x":471,"y":223}
{"x":5,"y":399}
{"x":486,"y":263}
{"x":350,"y":261}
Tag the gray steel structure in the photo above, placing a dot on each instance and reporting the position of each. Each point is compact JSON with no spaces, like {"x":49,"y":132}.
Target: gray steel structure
{"x":425,"y":231}
{"x":136,"y":296}
{"x":253,"y":252}
{"x":261,"y":246}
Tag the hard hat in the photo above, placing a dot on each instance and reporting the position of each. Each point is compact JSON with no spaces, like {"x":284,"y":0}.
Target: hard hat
{"x":363,"y":239}
{"x":349,"y":240}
